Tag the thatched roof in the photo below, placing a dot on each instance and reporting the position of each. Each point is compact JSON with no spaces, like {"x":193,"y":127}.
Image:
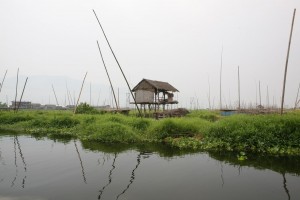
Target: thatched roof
{"x":151,"y":85}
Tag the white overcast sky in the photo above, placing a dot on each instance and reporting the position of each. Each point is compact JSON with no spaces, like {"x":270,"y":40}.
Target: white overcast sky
{"x":177,"y":41}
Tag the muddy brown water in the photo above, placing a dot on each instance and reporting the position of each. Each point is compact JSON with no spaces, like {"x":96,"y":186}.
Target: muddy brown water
{"x":41,"y":168}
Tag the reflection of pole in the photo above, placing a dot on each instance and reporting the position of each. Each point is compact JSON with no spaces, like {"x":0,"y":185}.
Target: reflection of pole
{"x":286,"y":63}
{"x":81,"y":164}
{"x":222,"y":178}
{"x":132,"y":175}
{"x":285,"y":186}
{"x":23,"y":160}
{"x":15,"y":152}
{"x":109,"y":177}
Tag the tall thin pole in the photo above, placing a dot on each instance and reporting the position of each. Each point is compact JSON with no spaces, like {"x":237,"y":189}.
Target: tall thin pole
{"x":296,"y":102}
{"x":111,"y":86}
{"x":68,"y":94}
{"x":209,"y":94}
{"x":22,"y":94}
{"x":259,"y":94}
{"x":286,"y":63}
{"x":239,"y":91}
{"x":15,"y":106}
{"x":118,"y":64}
{"x":221,"y":78}
{"x":268,"y":100}
{"x":90,"y":94}
{"x":3,"y":81}
{"x":55,"y":95}
{"x":79,"y":93}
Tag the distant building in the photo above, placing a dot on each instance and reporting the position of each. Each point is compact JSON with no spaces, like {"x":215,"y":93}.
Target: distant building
{"x":50,"y":107}
{"x":20,"y":105}
{"x":36,"y":106}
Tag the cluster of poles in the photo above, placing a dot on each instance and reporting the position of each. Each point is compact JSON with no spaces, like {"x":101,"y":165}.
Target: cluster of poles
{"x":284,"y":78}
{"x":16,"y":105}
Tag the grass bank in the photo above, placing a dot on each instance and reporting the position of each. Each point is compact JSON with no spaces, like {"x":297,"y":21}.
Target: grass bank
{"x":272,"y":134}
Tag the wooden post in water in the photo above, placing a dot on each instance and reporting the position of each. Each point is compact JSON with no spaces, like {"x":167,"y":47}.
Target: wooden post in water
{"x":79,"y":93}
{"x":118,"y":64}
{"x":22,"y":94}
{"x":286,"y":63}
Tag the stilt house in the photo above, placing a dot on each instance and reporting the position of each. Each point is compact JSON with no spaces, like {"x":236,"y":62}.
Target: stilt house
{"x":154,"y":94}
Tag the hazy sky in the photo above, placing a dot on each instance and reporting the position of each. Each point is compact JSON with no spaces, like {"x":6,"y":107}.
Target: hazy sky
{"x":177,"y":41}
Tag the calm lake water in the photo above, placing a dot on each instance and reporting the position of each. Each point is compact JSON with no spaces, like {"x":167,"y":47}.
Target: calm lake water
{"x":39,"y":169}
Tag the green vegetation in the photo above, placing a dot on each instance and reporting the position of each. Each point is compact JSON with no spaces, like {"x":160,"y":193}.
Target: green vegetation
{"x":199,"y":130}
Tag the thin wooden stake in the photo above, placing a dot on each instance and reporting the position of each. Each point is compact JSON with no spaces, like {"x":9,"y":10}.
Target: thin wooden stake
{"x":79,"y":93}
{"x":1,"y":85}
{"x":111,"y":86}
{"x":118,"y":64}
{"x":221,"y":78}
{"x":22,"y":94}
{"x":209,"y":103}
{"x":15,"y":106}
{"x":259,"y":94}
{"x":239,"y":91}
{"x":286,"y":63}
{"x":296,"y":102}
{"x":55,"y":95}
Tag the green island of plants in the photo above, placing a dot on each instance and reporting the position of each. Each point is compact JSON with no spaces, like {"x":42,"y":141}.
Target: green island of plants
{"x":199,"y":130}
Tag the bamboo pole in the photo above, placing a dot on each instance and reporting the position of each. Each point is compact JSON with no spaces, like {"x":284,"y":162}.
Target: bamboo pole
{"x":296,"y":102}
{"x":55,"y":95}
{"x":79,"y":94}
{"x":286,"y":63}
{"x":221,"y":78}
{"x":118,"y":64}
{"x":259,"y":94}
{"x":239,"y":91}
{"x":22,"y":94}
{"x":1,"y":85}
{"x":68,"y":95}
{"x":15,"y":106}
{"x":209,"y":103}
{"x":111,"y":86}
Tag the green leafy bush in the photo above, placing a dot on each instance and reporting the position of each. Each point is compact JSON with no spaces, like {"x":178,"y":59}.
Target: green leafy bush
{"x":84,"y":108}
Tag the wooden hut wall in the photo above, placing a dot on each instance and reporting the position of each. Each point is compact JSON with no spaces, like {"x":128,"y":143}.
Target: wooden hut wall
{"x":144,"y":96}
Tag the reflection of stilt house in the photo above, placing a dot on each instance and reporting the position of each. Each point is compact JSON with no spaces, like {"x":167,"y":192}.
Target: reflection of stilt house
{"x":154,"y":94}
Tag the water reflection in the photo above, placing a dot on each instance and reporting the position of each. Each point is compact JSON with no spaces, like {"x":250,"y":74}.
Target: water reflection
{"x":109,"y":176}
{"x":279,"y":164}
{"x":124,"y":172}
{"x":18,"y":145}
{"x":138,"y":159}
{"x":285,"y":186}
{"x":81,"y":164}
